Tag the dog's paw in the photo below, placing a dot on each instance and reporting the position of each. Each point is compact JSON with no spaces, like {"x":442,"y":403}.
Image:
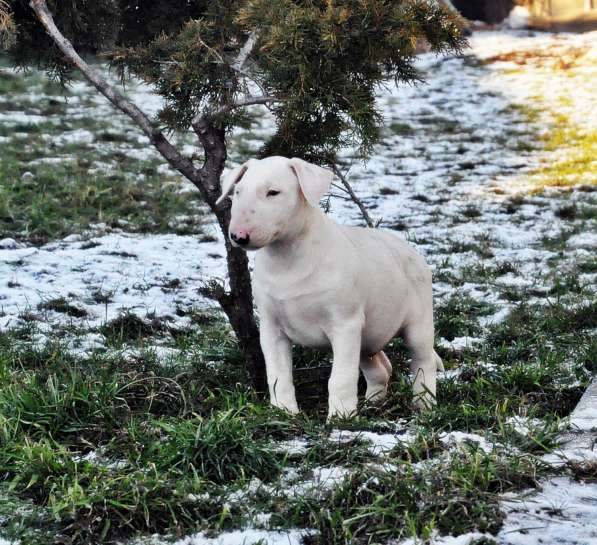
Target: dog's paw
{"x":376,"y":394}
{"x":342,"y":408}
{"x":289,"y":407}
{"x":425,"y":401}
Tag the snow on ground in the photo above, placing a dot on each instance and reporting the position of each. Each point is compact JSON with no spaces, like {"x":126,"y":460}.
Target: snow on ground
{"x":523,"y":425}
{"x":322,"y":480}
{"x":236,"y":537}
{"x":245,"y":537}
{"x":455,"y":438}
{"x":293,"y":447}
{"x":135,"y":270}
{"x":442,"y":178}
{"x":465,"y":539}
{"x":458,"y":344}
{"x":563,"y":512}
{"x":452,"y":160}
{"x":378,"y":443}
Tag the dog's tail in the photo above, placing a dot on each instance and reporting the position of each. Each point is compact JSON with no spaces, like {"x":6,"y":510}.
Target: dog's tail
{"x":438,"y":361}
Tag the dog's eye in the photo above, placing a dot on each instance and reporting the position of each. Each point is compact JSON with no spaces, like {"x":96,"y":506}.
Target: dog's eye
{"x":272,"y":193}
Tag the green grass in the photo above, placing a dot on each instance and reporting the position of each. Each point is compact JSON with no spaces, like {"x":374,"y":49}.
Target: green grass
{"x":172,"y":442}
{"x":456,"y":496}
{"x":101,"y":182}
{"x":577,"y":151}
{"x":118,"y":444}
{"x":400,"y":128}
{"x":55,"y":200}
{"x":457,"y":317}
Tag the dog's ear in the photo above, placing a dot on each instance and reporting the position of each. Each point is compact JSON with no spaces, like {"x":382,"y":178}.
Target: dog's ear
{"x":231,"y":179}
{"x":315,"y":181}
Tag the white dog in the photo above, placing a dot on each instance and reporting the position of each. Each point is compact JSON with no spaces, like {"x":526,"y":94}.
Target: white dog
{"x":318,"y":284}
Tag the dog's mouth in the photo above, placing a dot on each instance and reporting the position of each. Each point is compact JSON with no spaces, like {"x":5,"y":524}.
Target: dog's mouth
{"x":249,"y":247}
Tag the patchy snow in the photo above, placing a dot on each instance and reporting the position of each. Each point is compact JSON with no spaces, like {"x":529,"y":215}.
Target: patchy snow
{"x":450,"y":176}
{"x":496,"y":318}
{"x":247,"y":536}
{"x":584,"y":240}
{"x":77,"y":136}
{"x":443,"y":178}
{"x":321,"y":481}
{"x":455,"y":439}
{"x":458,"y":344}
{"x":379,"y":443}
{"x":9,"y":244}
{"x":133,"y":269}
{"x":563,"y":511}
{"x":464,"y":539}
{"x":98,"y":458}
{"x":522,"y":424}
{"x":293,"y":447}
{"x":261,"y":520}
{"x":575,"y":448}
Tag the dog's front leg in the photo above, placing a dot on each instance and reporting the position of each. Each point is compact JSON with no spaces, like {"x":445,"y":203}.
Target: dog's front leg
{"x":346,"y":344}
{"x":277,"y":352}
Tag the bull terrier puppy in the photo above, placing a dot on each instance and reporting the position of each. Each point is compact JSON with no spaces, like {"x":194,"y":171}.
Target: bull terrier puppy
{"x":320,"y":284}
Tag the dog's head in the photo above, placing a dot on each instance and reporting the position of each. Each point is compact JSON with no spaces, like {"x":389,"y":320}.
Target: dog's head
{"x":270,"y":197}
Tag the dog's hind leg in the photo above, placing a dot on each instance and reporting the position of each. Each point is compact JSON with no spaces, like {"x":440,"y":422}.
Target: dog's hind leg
{"x":377,"y":370}
{"x":439,"y":362}
{"x":424,"y":363}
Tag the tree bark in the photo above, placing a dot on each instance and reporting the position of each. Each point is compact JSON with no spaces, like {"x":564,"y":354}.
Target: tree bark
{"x":237,"y":304}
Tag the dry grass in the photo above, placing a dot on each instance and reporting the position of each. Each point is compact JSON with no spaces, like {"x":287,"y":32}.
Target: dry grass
{"x":7,"y":26}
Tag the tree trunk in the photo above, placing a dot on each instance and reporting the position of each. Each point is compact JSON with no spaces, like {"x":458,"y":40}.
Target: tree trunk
{"x":238,"y":302}
{"x":238,"y":306}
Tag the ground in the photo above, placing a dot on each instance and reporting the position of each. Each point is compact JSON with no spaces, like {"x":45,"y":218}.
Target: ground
{"x":124,"y":411}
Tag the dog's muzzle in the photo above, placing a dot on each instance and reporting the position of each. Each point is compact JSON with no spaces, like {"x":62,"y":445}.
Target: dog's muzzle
{"x":242,"y":239}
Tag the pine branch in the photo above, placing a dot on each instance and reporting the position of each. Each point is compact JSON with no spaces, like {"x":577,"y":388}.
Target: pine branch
{"x":245,"y":51}
{"x":204,"y":118}
{"x":354,"y":198}
{"x":202,"y":121}
{"x":157,"y":138}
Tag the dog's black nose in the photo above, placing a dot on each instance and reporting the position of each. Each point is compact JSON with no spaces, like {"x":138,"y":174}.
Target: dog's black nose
{"x":241,"y":240}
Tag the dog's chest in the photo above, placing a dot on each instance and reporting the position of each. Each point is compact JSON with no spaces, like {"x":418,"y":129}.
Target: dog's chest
{"x":302,"y":318}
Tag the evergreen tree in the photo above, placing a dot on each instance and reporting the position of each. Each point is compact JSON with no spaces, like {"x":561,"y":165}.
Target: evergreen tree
{"x":315,"y":63}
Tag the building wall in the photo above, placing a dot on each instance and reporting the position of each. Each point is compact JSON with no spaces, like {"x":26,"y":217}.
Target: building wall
{"x":562,"y":8}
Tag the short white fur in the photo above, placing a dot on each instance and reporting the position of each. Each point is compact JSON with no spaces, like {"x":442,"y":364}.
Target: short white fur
{"x":317,"y":283}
